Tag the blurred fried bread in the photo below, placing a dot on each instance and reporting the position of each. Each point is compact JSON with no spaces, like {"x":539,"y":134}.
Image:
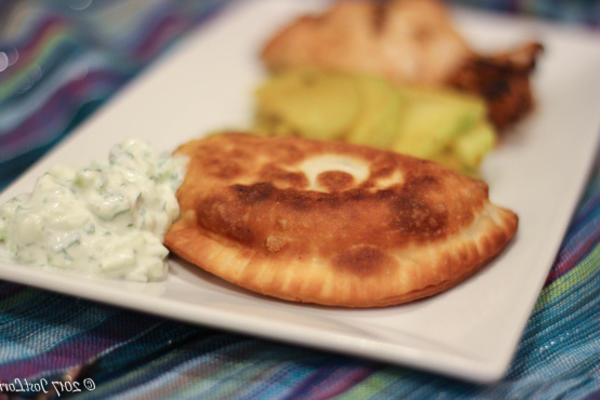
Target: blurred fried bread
{"x":406,"y":41}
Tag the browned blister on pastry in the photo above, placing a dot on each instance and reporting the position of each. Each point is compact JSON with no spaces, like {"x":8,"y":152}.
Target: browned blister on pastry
{"x":406,"y":41}
{"x":332,"y":223}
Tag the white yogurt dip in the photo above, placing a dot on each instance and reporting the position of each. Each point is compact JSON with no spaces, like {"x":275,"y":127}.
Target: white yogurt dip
{"x":108,"y":219}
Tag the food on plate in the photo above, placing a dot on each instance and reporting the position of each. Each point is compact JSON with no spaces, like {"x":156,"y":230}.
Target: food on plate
{"x":107,"y":219}
{"x":432,"y":123}
{"x":406,"y":41}
{"x":331,"y":223}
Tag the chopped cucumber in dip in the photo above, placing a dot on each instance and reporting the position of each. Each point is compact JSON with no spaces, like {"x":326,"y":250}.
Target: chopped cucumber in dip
{"x":108,"y":219}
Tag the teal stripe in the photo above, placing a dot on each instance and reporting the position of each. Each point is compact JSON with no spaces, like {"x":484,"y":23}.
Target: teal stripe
{"x":237,"y":379}
{"x":556,"y":325}
{"x":133,"y":382}
{"x":24,"y":324}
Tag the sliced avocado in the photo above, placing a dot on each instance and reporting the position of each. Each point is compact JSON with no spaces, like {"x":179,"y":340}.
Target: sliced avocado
{"x":379,"y":113}
{"x":314,"y":104}
{"x":433,"y":123}
{"x":471,"y":146}
{"x":433,"y":119}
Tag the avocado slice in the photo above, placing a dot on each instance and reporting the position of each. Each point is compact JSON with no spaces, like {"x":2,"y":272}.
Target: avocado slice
{"x":433,"y":119}
{"x":380,"y":112}
{"x":310,"y":103}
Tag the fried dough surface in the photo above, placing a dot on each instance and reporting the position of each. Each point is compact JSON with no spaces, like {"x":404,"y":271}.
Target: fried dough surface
{"x":406,"y":41}
{"x":332,"y":223}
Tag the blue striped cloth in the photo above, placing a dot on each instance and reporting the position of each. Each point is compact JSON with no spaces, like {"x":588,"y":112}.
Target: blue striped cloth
{"x":586,"y":12}
{"x":60,"y":60}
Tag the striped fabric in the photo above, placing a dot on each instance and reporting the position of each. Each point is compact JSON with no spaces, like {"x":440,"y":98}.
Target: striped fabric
{"x":585,"y":12}
{"x":59,"y":60}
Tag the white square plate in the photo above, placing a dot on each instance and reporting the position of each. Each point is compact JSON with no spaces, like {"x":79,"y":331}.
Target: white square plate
{"x":470,"y":331}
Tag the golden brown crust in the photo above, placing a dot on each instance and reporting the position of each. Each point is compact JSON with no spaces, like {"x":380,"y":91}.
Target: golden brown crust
{"x":332,"y":223}
{"x":406,"y":41}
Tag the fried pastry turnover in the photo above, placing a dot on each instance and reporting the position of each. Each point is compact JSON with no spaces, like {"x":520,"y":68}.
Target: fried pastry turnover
{"x":332,"y":223}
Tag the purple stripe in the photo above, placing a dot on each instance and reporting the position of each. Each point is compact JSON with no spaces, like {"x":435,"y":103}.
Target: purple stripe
{"x":594,"y":396}
{"x":588,"y":206}
{"x":36,"y":127}
{"x":340,"y":384}
{"x":152,"y":19}
{"x":28,"y":47}
{"x":39,"y":27}
{"x":161,"y":33}
{"x":80,"y":348}
{"x":160,"y":22}
{"x":329,"y":381}
{"x":311,"y":381}
{"x":569,"y":256}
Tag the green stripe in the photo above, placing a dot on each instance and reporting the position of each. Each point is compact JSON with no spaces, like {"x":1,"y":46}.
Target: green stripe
{"x":579,"y":273}
{"x":373,"y":384}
